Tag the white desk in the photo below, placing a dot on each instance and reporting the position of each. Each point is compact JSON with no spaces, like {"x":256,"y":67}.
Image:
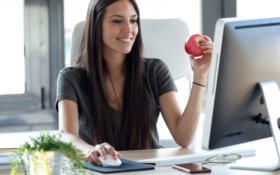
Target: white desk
{"x":14,"y":139}
{"x":217,"y":169}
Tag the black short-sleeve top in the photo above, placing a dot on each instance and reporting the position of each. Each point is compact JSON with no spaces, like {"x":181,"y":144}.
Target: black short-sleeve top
{"x":71,"y":85}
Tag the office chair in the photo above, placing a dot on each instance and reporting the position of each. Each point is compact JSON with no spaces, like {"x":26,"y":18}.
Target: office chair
{"x":163,"y":39}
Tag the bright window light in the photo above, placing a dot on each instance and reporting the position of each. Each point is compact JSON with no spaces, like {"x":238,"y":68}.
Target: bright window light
{"x":258,"y":8}
{"x":12,"y":68}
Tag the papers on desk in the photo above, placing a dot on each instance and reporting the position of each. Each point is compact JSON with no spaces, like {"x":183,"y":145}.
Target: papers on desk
{"x":256,"y":163}
{"x":5,"y":162}
{"x":4,"y":158}
{"x":197,"y":157}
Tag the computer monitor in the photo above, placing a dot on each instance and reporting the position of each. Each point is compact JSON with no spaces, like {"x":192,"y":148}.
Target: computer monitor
{"x":245,"y":53}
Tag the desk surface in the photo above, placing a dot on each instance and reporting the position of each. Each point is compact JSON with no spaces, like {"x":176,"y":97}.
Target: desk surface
{"x":217,"y":169}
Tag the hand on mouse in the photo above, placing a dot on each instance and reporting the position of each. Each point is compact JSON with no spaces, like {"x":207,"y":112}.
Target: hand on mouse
{"x":109,"y":161}
{"x":101,"y":150}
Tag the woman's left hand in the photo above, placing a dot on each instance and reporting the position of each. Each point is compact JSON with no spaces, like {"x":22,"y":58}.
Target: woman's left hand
{"x":201,"y":66}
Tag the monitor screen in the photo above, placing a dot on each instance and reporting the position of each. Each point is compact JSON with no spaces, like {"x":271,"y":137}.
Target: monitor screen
{"x":245,"y":52}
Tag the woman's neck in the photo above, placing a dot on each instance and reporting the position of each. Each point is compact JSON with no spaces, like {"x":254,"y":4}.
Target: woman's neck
{"x":114,"y":81}
{"x":115,"y":64}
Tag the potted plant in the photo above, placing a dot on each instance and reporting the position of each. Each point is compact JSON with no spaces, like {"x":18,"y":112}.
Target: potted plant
{"x":47,"y":154}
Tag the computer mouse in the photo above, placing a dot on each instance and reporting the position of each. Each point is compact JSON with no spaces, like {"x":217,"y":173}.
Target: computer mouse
{"x":109,"y":161}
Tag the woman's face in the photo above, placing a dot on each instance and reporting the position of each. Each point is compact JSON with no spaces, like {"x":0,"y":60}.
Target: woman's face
{"x":119,"y":27}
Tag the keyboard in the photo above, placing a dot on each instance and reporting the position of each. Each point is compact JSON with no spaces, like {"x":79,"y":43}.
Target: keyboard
{"x":196,"y":157}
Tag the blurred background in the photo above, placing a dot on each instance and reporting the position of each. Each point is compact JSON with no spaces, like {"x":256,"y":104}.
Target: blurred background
{"x":35,"y":41}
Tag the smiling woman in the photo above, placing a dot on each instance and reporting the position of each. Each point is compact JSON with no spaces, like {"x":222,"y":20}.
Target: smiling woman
{"x":111,"y":98}
{"x":187,"y":10}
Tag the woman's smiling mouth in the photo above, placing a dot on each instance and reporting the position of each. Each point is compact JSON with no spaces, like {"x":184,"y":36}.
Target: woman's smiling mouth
{"x":124,"y":39}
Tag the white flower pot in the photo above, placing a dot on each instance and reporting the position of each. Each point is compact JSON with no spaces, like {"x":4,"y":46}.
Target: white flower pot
{"x":47,"y":163}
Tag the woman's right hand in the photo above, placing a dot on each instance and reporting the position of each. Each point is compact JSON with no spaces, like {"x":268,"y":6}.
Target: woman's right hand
{"x":101,"y":150}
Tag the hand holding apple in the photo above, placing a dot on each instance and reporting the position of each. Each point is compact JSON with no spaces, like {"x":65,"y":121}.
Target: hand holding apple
{"x":193,"y":45}
{"x":200,"y":50}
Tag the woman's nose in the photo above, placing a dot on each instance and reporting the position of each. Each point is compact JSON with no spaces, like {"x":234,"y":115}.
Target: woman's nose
{"x":127,"y":28}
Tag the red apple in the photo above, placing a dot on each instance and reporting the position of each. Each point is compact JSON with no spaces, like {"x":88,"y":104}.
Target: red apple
{"x":192,"y":45}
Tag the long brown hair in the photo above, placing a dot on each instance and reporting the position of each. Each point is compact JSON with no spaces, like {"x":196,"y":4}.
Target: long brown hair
{"x":135,"y":131}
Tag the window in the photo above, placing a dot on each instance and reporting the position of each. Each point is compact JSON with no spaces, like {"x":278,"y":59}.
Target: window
{"x":74,"y":12}
{"x":12,"y":71}
{"x":187,"y":10}
{"x":21,"y":57}
{"x":258,"y":8}
{"x":25,"y":73}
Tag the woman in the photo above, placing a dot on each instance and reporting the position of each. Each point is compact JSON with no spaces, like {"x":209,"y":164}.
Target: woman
{"x":112,"y":97}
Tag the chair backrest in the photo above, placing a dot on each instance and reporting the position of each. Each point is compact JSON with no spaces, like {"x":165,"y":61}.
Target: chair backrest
{"x":162,"y":38}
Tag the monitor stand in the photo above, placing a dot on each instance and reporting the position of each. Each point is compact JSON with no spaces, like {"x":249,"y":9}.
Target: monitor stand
{"x":271,"y":94}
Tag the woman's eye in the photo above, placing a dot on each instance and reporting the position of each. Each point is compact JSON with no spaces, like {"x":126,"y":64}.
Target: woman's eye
{"x":117,"y":21}
{"x":134,"y":21}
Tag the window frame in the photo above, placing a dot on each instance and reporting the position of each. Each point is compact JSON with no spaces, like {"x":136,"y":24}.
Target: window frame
{"x":44,"y":58}
{"x":212,"y":11}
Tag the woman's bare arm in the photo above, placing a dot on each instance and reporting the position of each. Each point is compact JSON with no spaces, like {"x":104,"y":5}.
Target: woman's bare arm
{"x":69,"y":123}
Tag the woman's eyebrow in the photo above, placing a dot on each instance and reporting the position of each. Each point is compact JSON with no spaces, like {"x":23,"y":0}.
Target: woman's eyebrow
{"x":121,"y":16}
